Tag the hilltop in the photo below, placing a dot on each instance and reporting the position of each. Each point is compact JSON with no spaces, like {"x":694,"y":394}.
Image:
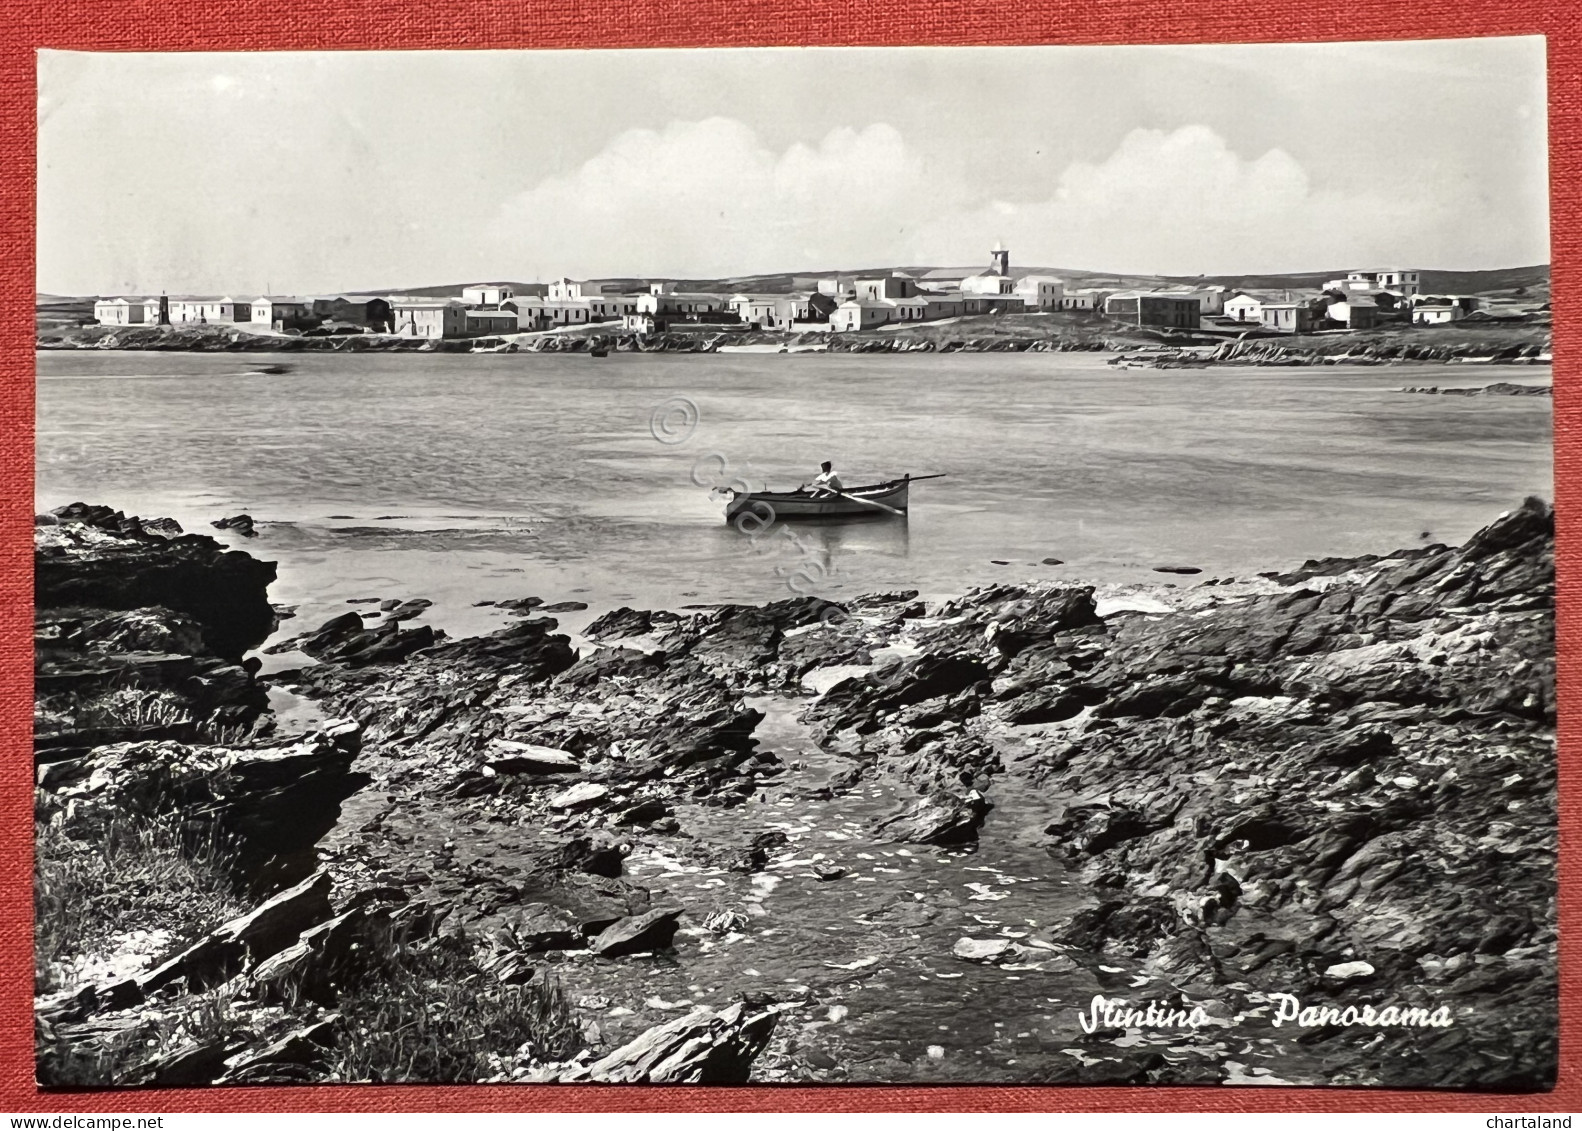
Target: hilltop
{"x":1533,"y":281}
{"x":1505,"y":280}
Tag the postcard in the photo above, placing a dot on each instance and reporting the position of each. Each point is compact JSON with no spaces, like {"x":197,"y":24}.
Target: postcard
{"x":888,"y":565}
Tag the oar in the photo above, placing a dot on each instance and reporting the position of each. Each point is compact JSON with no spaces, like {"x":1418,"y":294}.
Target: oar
{"x":881,"y":506}
{"x":865,"y":502}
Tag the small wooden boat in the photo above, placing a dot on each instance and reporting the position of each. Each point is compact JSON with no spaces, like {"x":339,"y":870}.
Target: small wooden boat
{"x":873,"y":500}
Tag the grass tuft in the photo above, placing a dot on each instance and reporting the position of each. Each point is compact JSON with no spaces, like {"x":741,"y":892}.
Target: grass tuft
{"x":435,"y":1017}
{"x":155,"y":874}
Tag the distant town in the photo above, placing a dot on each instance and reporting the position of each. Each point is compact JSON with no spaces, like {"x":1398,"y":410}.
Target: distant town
{"x":837,"y":304}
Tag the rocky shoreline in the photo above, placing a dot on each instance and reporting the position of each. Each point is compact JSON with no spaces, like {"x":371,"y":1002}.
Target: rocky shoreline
{"x":1336,"y":784}
{"x":1488,"y":344}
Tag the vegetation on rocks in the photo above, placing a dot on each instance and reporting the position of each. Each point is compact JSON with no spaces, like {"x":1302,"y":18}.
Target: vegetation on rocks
{"x":434,"y":1015}
{"x":134,"y":877}
{"x":1336,"y":783}
{"x":185,"y":931}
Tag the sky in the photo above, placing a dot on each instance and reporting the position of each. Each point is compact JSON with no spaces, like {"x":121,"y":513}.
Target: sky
{"x":328,"y":171}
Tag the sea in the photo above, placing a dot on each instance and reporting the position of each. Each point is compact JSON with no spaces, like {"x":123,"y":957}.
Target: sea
{"x":463,"y":478}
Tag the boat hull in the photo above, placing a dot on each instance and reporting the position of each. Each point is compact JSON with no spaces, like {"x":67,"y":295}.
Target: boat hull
{"x":879,"y":500}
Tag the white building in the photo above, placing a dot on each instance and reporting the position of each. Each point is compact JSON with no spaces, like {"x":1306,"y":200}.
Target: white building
{"x":570,"y":290}
{"x":610,"y":308}
{"x":1087,"y":298}
{"x":996,"y":280}
{"x":428,"y":317}
{"x":1210,"y":300}
{"x":204,"y":309}
{"x":679,"y":302}
{"x":1437,"y":312}
{"x":280,"y":311}
{"x":129,"y":311}
{"x":486,"y":294}
{"x":1041,"y":292}
{"x":754,"y":310}
{"x":565,"y":312}
{"x":988,"y":283}
{"x":486,"y":320}
{"x":1355,"y":312}
{"x":660,"y":311}
{"x":861,"y":314}
{"x":897,"y":284}
{"x":1243,"y":308}
{"x":1398,"y":280}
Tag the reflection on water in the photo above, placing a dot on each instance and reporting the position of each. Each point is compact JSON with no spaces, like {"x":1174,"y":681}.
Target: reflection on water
{"x":811,"y":554}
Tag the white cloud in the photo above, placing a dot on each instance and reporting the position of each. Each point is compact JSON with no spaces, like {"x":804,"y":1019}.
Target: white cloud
{"x":709,"y":197}
{"x":1184,"y":202}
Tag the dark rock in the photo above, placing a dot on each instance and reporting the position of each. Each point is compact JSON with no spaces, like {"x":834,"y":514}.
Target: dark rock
{"x":407,"y":610}
{"x":1166,"y":696}
{"x":703,"y":1047}
{"x":246,"y":940}
{"x":529,"y":643}
{"x":191,"y":1065}
{"x":1129,"y":928}
{"x":597,"y":858}
{"x":539,"y":928}
{"x":239,"y":523}
{"x":754,"y":857}
{"x":644,"y":812}
{"x":271,"y":804}
{"x":595,"y":903}
{"x":880,"y":600}
{"x":78,"y":564}
{"x":299,"y":1057}
{"x":859,"y":703}
{"x":687,"y":738}
{"x":639,"y":934}
{"x":750,"y":636}
{"x":347,"y":640}
{"x":940,"y":818}
{"x":1092,"y":829}
{"x":164,"y":527}
{"x":330,"y":955}
{"x":1356,"y":747}
{"x":620,"y":623}
{"x":509,"y":968}
{"x":508,"y":757}
{"x":1050,"y":705}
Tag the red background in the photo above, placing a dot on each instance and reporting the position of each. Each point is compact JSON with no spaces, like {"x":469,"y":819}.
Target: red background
{"x":181,"y":25}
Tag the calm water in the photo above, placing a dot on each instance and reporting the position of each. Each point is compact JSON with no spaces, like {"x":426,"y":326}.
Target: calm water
{"x":463,"y":478}
{"x":469,"y":478}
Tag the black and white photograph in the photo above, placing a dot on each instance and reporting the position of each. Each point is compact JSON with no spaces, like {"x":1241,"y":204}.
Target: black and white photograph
{"x":904,"y":565}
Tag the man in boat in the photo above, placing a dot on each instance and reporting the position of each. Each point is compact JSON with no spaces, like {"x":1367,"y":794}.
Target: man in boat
{"x":827,"y":482}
